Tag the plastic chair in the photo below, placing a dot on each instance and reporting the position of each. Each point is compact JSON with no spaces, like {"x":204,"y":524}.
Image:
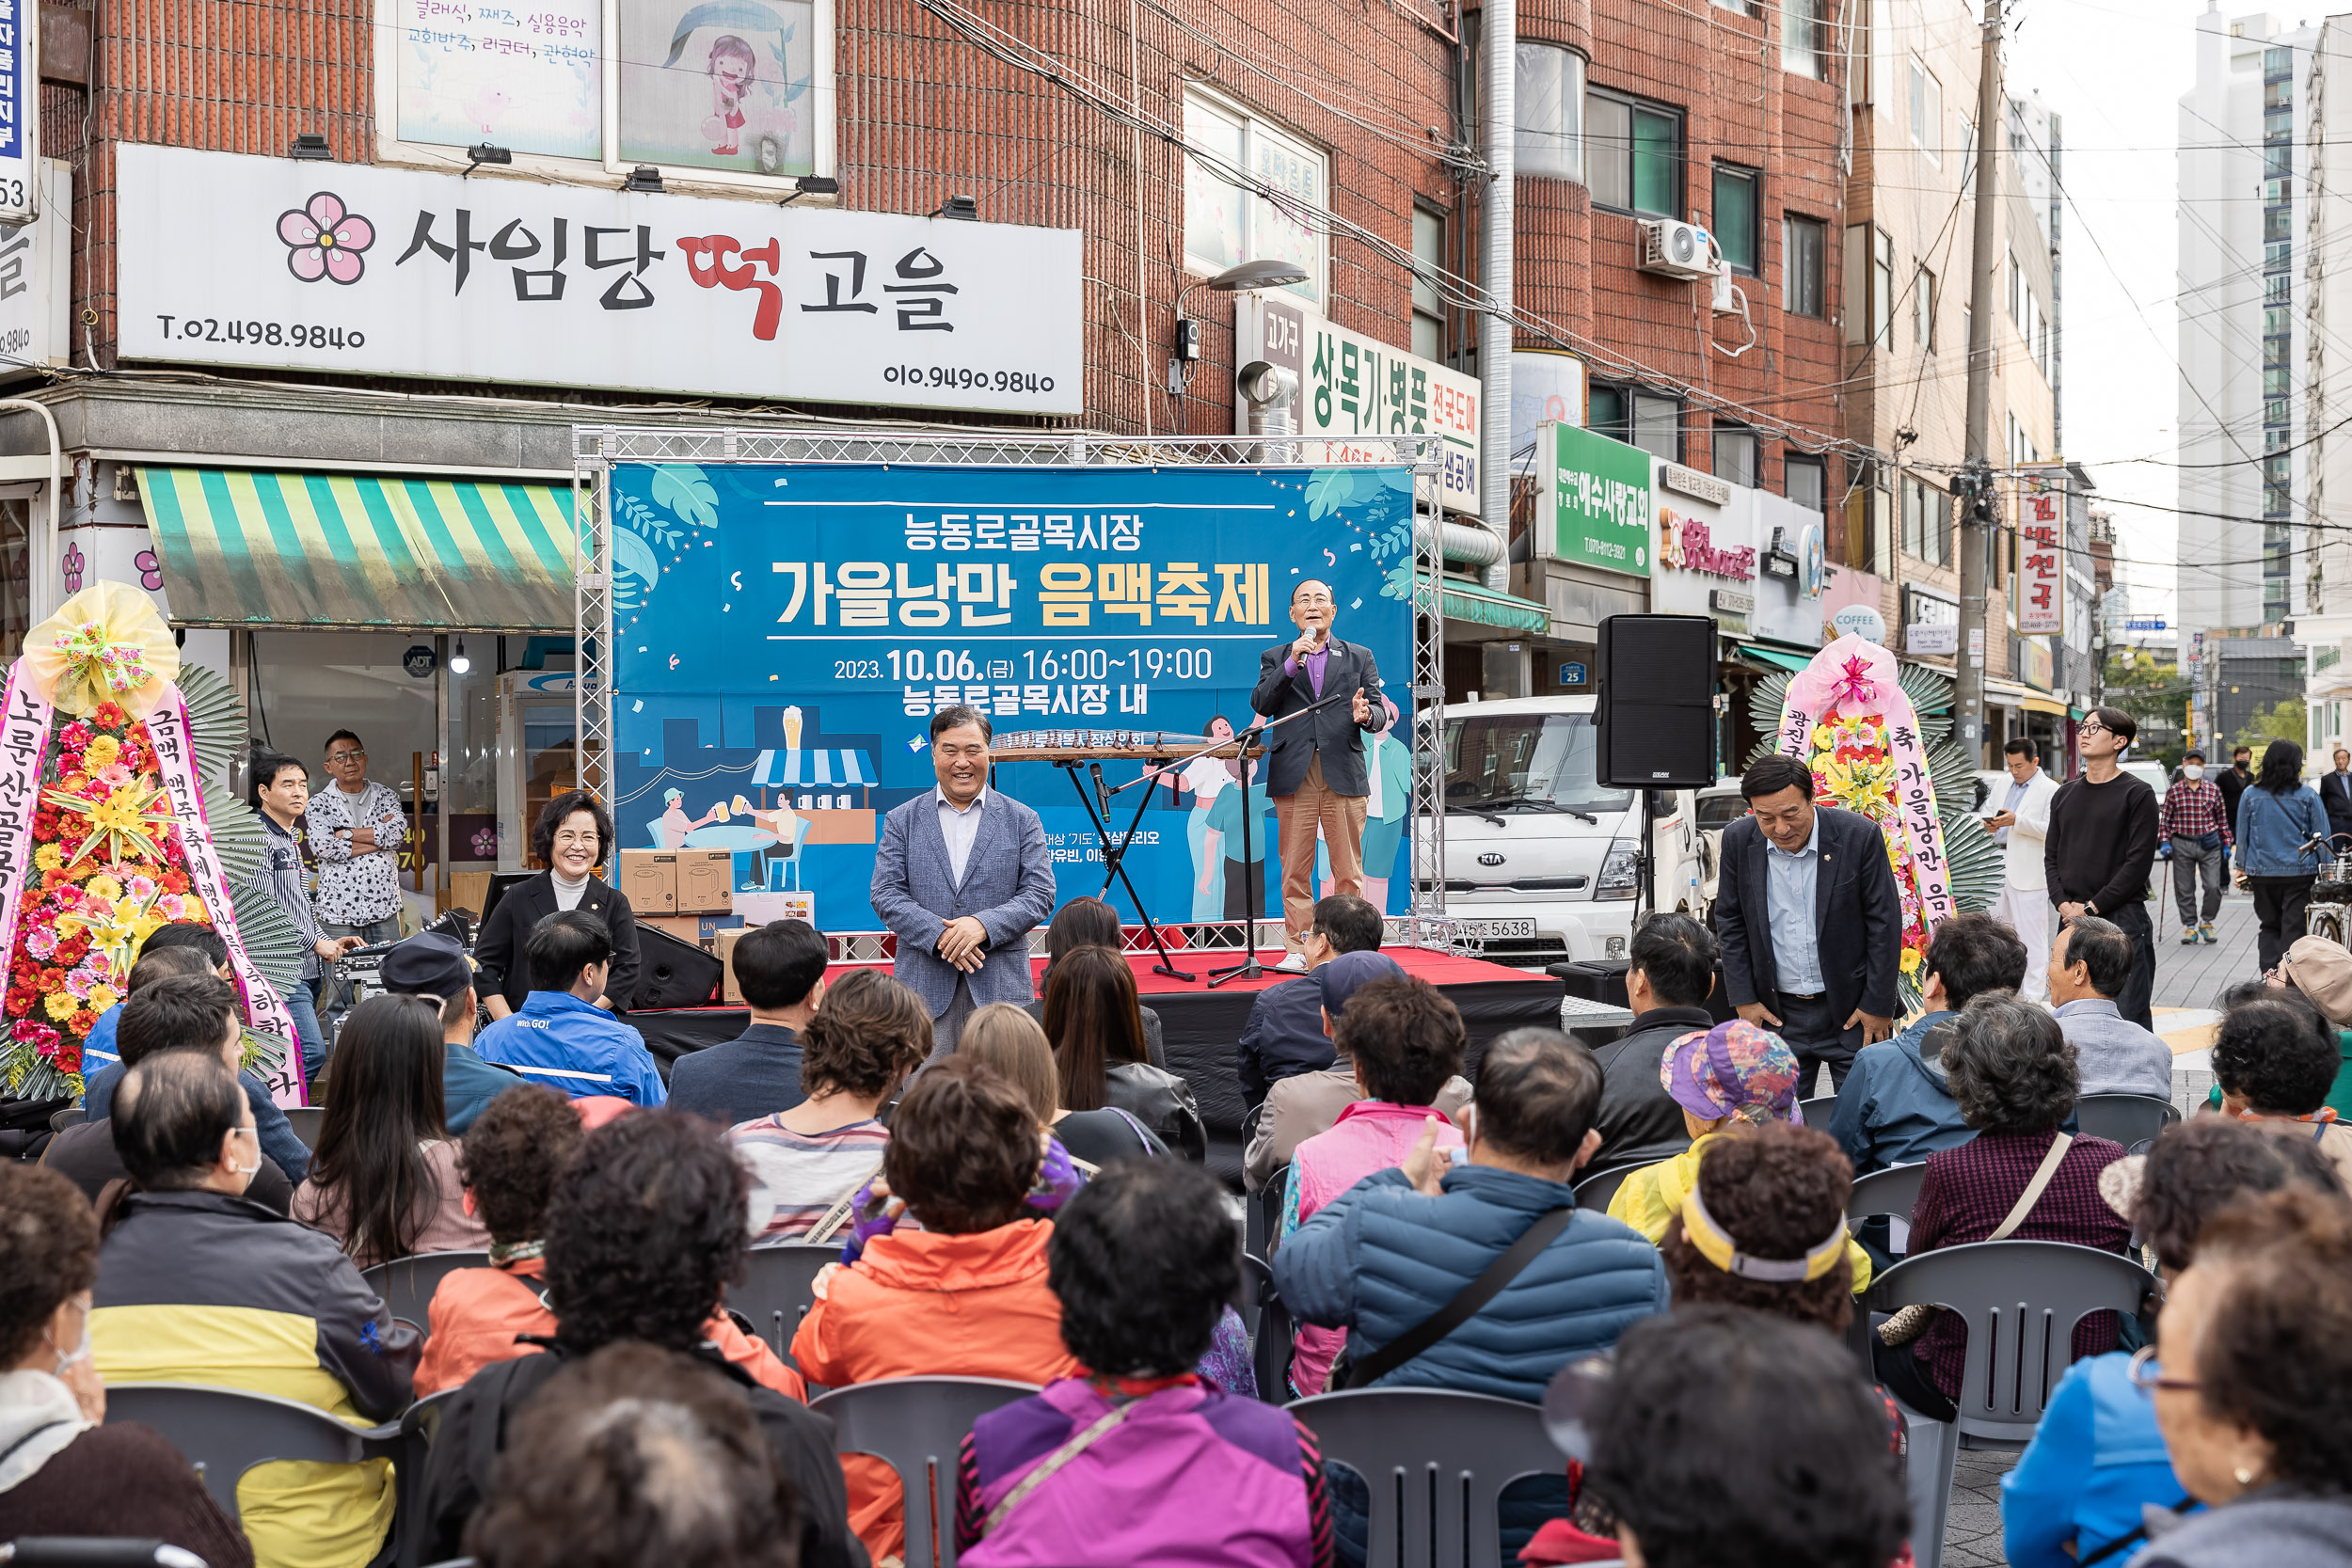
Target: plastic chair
{"x":1272,"y":1341}
{"x":227,"y":1432}
{"x":2130,"y":1120}
{"x":1893,"y":1192}
{"x":94,"y":1551}
{"x":1596,"y":1191}
{"x":407,"y":1283}
{"x":2021,"y":1301}
{"x":420,"y":1424}
{"x":778,"y":1287}
{"x":306,"y":1120}
{"x":1815,"y":1112}
{"x":916,"y":1425}
{"x":1436,"y":1463}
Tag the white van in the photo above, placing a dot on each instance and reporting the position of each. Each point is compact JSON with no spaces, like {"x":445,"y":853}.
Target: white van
{"x":1540,"y":858}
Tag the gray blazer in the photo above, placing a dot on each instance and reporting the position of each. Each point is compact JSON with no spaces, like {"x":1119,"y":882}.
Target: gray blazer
{"x":1007,"y":886}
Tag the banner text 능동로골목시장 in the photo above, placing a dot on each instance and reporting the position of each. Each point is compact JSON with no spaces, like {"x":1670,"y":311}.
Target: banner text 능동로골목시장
{"x":783,"y":633}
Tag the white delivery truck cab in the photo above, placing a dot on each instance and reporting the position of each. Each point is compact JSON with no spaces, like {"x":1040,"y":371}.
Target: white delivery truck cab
{"x":1539,"y":857}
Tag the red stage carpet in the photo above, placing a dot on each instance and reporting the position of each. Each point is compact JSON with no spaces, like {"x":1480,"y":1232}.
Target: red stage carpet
{"x":1200,"y":1026}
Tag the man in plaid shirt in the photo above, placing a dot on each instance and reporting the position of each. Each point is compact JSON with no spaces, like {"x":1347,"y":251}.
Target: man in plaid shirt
{"x":2196,"y":823}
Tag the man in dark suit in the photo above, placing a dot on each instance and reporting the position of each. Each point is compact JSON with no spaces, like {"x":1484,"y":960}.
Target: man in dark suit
{"x":1811,"y":922}
{"x":962,"y":874}
{"x":780,"y":969}
{"x":1316,"y":776}
{"x":2335,"y":793}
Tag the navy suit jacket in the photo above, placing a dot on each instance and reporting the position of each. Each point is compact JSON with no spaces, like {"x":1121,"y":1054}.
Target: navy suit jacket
{"x":755,"y":1074}
{"x":1857,"y":916}
{"x":1282,"y":1038}
{"x":2337,"y":797}
{"x":1333,"y":731}
{"x":1007,"y":886}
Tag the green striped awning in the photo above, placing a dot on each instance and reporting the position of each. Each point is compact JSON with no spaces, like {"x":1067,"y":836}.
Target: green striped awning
{"x":1462,"y":601}
{"x":1774,"y":657}
{"x":243,"y":549}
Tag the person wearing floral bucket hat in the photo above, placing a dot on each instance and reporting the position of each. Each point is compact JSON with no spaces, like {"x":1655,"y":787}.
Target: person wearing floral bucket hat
{"x":1727,"y":1080}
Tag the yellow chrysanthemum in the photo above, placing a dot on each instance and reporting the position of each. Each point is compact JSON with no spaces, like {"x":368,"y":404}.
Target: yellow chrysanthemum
{"x":101,"y":998}
{"x":62,"y":1005}
{"x":105,"y":887}
{"x":101,"y":752}
{"x":49,"y":858}
{"x":1823,"y":738}
{"x":192,"y":907}
{"x":1912,"y":959}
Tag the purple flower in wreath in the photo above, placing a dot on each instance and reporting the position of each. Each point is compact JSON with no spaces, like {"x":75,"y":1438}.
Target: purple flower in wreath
{"x":151,"y":570}
{"x":323,"y":239}
{"x":72,"y":566}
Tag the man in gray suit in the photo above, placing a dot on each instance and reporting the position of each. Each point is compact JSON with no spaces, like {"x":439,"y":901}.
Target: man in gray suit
{"x":1316,"y":776}
{"x":961,"y":875}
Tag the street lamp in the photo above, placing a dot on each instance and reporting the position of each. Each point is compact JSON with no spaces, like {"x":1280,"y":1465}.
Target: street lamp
{"x":1248,"y":278}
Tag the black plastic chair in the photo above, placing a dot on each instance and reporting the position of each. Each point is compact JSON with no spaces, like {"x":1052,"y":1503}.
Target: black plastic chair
{"x":306,"y":1122}
{"x":1893,"y":1192}
{"x":778,"y":1287}
{"x":94,"y":1551}
{"x":1595,"y":1191}
{"x":1271,"y":1339}
{"x":420,"y":1424}
{"x":916,"y":1425}
{"x":1815,"y":1112}
{"x":1436,"y":1463}
{"x":407,"y":1283}
{"x":2130,"y":1120}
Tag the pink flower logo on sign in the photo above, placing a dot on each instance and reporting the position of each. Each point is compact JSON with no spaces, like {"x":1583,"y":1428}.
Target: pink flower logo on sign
{"x":323,"y":239}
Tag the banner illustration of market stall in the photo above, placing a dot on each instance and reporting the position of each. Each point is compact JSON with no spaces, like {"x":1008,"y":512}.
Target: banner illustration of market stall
{"x":782,"y":634}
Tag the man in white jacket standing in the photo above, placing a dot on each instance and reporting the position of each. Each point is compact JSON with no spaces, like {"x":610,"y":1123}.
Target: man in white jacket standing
{"x":2019,"y":828}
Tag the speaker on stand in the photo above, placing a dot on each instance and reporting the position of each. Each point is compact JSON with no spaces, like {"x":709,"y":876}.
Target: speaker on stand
{"x":1656,"y":713}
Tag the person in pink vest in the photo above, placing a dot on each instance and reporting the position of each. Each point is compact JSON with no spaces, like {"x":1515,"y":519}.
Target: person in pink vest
{"x":1138,"y":1461}
{"x":1405,"y":1040}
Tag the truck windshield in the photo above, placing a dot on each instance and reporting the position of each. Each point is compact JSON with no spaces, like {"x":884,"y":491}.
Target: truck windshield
{"x":1541,"y":761}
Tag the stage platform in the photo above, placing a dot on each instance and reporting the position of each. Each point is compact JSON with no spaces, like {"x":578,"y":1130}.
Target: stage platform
{"x":1199,"y":1027}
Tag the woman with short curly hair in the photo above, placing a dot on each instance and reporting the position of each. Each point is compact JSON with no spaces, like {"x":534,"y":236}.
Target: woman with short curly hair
{"x":1775,"y":1197}
{"x":2013,"y":1075}
{"x":869,"y":1033}
{"x":2274,"y":1061}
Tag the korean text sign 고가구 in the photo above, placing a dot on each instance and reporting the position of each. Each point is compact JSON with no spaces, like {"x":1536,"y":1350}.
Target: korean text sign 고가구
{"x":356,"y":269}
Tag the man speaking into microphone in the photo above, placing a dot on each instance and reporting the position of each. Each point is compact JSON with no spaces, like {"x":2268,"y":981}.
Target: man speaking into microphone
{"x":1316,"y":777}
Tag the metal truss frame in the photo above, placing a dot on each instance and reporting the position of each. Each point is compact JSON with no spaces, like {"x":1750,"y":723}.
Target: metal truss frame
{"x":596,"y":448}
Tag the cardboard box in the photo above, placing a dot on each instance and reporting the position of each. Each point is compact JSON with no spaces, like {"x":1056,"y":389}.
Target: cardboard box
{"x":703,"y":880}
{"x":649,"y":880}
{"x":730,"y":992}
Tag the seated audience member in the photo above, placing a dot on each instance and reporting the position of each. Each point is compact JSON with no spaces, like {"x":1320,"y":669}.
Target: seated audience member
{"x":197,"y":1285}
{"x":637,"y":1455}
{"x":1727,"y":1083}
{"x":385,"y":1179}
{"x":177,"y":959}
{"x":509,"y":1165}
{"x":2013,"y":1076}
{"x":1897,"y":1107}
{"x":1013,"y":1043}
{"x":2090,"y":963}
{"x":645,"y":1227}
{"x":1306,"y":1103}
{"x":1764,"y":1227}
{"x":805,"y":1163}
{"x":1667,"y":984}
{"x":63,"y":1472}
{"x":963,"y":1296}
{"x":1091,"y":923}
{"x":1284,"y":1036}
{"x":434,"y":966}
{"x":561,"y":1037}
{"x":1092,"y":1018}
{"x":180,"y":1013}
{"x":1143,"y":1264}
{"x":183,"y":936}
{"x":2274,"y":1062}
{"x":1723,"y":1436}
{"x":2320,"y":971}
{"x":1405,"y":1040}
{"x":2097,"y":1460}
{"x":2255,"y":1342}
{"x":780,"y":969}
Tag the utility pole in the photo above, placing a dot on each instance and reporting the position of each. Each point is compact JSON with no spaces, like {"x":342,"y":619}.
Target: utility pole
{"x":1500,"y":20}
{"x":1984,"y":297}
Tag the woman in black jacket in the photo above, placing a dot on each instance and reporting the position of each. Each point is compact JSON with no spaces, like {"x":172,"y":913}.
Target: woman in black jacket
{"x":1096,"y":1028}
{"x":574,"y":836}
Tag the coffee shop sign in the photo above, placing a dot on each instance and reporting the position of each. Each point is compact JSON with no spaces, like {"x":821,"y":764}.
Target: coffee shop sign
{"x":1687,"y":543}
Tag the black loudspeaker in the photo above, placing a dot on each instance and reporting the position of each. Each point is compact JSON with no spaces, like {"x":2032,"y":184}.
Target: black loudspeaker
{"x":674,"y":974}
{"x":1657,"y":709}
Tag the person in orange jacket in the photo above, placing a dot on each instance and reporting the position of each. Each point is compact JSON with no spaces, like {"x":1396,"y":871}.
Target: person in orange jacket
{"x":965,"y":1295}
{"x":509,"y":1162}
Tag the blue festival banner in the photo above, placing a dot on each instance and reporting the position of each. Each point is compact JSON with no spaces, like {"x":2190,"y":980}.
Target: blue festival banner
{"x":783,"y":633}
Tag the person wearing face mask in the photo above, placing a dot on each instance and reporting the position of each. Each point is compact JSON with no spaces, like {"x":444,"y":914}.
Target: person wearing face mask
{"x":197,"y":1284}
{"x":63,"y":1471}
{"x":2195,"y":820}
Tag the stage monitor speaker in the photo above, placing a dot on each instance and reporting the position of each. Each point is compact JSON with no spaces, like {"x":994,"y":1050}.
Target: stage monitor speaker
{"x":674,"y":974}
{"x":1657,"y":709}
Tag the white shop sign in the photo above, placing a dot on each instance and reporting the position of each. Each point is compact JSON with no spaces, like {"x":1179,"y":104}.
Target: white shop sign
{"x":35,"y":259}
{"x":362,"y":270}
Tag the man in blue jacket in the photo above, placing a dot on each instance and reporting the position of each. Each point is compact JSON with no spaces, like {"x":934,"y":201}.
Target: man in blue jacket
{"x":561,"y":1037}
{"x":1897,"y":1106}
{"x":1284,"y":1036}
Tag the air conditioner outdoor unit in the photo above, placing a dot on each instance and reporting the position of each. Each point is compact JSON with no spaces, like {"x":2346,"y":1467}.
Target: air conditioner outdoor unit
{"x":1672,"y":249}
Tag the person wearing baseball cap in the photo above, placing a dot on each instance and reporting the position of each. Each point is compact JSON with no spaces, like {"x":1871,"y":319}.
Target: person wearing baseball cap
{"x":1727,"y":1080}
{"x":432,"y":964}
